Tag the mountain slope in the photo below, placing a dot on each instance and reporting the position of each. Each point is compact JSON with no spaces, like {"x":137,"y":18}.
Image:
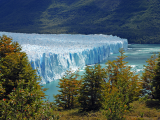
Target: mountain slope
{"x":21,"y":15}
{"x":138,"y":20}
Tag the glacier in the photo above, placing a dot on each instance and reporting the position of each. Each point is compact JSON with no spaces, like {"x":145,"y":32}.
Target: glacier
{"x":53,"y":54}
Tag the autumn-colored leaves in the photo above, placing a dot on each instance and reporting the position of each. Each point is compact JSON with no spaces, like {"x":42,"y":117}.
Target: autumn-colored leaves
{"x":7,"y":47}
{"x":111,"y":89}
{"x":70,"y":90}
{"x":20,"y":93}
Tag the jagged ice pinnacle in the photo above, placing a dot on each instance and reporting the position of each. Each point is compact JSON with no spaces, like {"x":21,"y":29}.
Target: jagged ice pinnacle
{"x":53,"y":54}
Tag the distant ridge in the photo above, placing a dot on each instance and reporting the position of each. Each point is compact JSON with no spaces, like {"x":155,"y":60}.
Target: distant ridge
{"x":136,"y":20}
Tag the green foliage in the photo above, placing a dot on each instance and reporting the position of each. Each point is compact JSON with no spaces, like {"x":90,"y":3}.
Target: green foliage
{"x":48,"y":111}
{"x":135,"y":20}
{"x":156,"y":82}
{"x":68,"y":97}
{"x":21,"y":102}
{"x":123,"y":87}
{"x":91,"y":95}
{"x":151,"y":77}
{"x":119,"y":71}
{"x":110,"y":89}
{"x":148,"y":75}
{"x":115,"y":105}
{"x":11,"y":63}
{"x":20,"y":93}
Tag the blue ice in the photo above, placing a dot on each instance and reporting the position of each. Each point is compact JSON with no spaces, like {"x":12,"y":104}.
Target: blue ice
{"x":53,"y":54}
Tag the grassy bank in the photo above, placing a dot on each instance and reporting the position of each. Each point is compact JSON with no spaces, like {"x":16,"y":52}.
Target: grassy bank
{"x":141,"y":110}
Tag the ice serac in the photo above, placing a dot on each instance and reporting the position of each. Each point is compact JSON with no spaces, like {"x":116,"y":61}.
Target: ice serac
{"x":53,"y":54}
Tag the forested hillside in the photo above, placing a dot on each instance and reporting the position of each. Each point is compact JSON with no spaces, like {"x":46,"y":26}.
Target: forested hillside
{"x":136,"y":20}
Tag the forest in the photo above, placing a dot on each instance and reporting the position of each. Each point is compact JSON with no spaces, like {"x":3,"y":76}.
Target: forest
{"x":112,"y":93}
{"x":135,"y":20}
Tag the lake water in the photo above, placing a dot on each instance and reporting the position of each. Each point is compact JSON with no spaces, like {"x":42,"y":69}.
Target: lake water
{"x":137,"y":56}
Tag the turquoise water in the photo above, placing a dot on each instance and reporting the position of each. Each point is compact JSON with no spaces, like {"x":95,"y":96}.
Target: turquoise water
{"x":137,"y":56}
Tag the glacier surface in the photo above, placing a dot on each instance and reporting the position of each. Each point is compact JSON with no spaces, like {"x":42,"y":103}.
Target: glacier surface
{"x":53,"y":54}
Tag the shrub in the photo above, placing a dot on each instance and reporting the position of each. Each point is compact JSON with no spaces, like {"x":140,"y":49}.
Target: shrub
{"x":91,"y":95}
{"x":122,"y":88}
{"x":69,"y":92}
{"x":20,"y":93}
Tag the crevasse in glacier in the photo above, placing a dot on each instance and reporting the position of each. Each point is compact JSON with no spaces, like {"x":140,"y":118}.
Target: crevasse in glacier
{"x":53,"y":54}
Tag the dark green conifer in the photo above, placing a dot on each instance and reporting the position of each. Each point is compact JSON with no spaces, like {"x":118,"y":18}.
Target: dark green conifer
{"x":156,"y":81}
{"x":149,"y":74}
{"x":91,"y":95}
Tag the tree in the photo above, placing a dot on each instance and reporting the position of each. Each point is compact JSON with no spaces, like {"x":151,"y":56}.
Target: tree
{"x":21,"y":95}
{"x":91,"y":95}
{"x":121,"y":89}
{"x":118,"y":70}
{"x":156,"y":81}
{"x":69,"y":92}
{"x":148,"y":75}
{"x":115,"y":102}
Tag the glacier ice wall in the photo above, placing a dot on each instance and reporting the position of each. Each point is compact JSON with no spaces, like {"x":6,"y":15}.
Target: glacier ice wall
{"x":53,"y":54}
